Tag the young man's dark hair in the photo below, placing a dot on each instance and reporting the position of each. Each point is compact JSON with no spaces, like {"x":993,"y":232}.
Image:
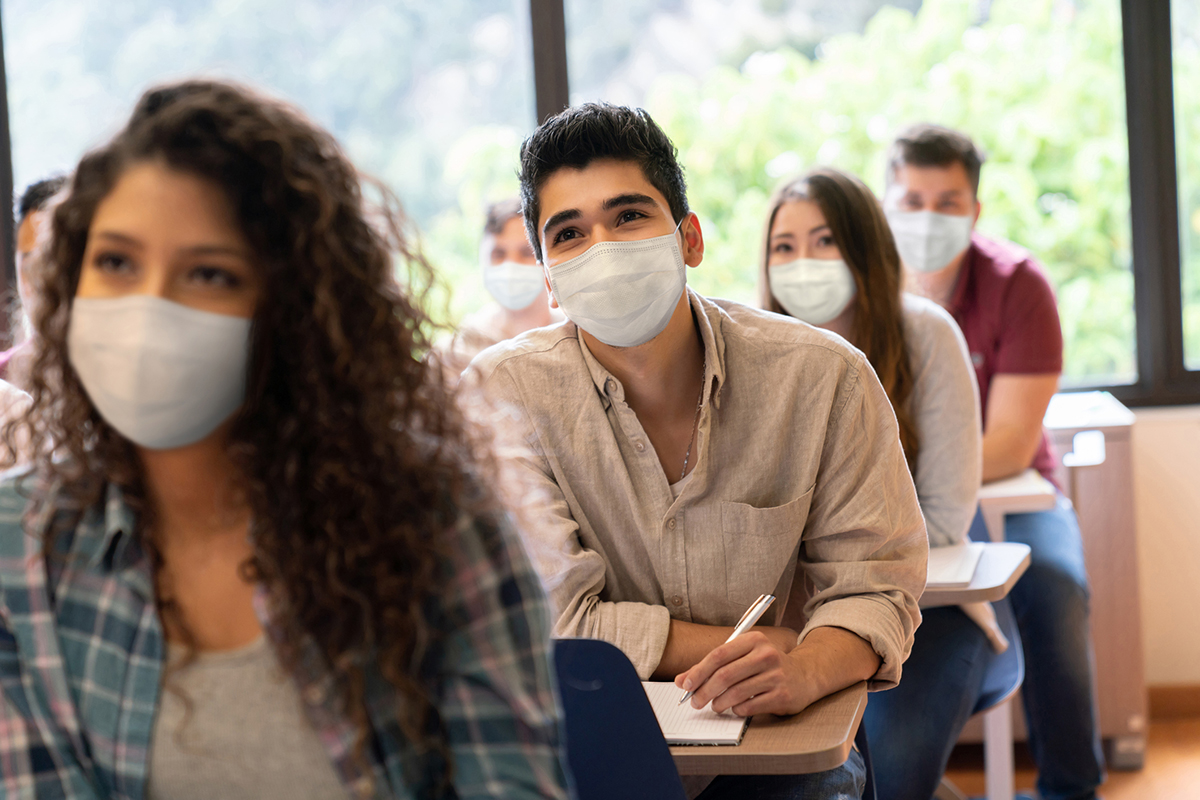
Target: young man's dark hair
{"x":582,"y":134}
{"x":37,"y":194}
{"x":928,"y":145}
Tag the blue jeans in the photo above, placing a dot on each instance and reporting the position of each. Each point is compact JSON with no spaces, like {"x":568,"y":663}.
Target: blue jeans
{"x":912,"y":727}
{"x":841,"y":783}
{"x":1050,"y":603}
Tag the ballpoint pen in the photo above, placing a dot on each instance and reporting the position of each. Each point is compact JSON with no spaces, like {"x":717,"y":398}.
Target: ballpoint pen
{"x":752,"y":615}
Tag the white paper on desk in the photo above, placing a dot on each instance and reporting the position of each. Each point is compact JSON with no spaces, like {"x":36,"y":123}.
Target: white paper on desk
{"x":954,"y":566}
{"x":682,"y":724}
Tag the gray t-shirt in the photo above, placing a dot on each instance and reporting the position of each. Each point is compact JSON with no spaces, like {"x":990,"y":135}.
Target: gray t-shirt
{"x":246,"y":736}
{"x":945,"y":407}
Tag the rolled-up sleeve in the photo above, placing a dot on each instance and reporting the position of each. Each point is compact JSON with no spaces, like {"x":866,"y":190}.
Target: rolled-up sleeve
{"x":865,"y":548}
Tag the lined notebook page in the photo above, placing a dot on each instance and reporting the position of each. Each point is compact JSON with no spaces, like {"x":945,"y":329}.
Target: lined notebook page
{"x":682,"y":724}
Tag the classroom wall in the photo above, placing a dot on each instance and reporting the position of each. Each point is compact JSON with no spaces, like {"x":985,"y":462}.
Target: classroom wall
{"x":1166,"y":462}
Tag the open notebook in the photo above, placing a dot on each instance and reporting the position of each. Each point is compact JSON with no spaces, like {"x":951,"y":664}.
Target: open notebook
{"x":953,"y":567}
{"x":682,"y":724}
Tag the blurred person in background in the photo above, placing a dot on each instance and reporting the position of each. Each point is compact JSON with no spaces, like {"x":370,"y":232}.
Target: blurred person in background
{"x":829,"y":260}
{"x":1002,"y":300}
{"x":256,"y":555}
{"x":31,"y":219}
{"x":514,"y":280}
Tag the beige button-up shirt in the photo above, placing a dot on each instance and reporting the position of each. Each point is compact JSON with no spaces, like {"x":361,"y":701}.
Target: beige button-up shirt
{"x":799,"y":475}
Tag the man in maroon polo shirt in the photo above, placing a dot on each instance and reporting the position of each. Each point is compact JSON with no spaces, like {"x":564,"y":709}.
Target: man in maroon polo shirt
{"x":1003,"y":302}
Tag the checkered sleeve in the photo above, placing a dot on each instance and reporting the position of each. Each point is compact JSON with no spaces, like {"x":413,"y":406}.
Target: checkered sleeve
{"x":499,"y":703}
{"x":30,"y":767}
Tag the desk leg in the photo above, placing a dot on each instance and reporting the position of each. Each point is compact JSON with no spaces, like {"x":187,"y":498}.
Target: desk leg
{"x":993,"y":520}
{"x":998,"y":752}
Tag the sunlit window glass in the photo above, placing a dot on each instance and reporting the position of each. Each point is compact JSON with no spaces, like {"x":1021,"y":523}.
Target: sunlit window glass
{"x":753,"y":91}
{"x":1185,"y":24}
{"x":433,"y":98}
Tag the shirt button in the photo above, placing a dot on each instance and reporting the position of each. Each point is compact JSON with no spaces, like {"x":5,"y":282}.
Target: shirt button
{"x":640,"y":446}
{"x":314,"y":695}
{"x":610,"y":385}
{"x":671,"y":523}
{"x":676,"y":600}
{"x":364,"y":787}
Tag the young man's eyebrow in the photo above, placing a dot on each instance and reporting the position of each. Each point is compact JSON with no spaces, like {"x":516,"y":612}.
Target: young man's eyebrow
{"x":628,"y":199}
{"x":561,"y":217}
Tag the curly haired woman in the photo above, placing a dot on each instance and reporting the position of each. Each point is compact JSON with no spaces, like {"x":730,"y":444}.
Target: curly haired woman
{"x":256,"y":555}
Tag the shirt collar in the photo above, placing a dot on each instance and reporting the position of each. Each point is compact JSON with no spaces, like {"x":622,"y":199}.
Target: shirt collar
{"x":707,"y":317}
{"x":107,"y":541}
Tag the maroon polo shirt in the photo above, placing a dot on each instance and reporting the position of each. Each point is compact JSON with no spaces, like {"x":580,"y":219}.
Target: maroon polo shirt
{"x":1006,"y":309}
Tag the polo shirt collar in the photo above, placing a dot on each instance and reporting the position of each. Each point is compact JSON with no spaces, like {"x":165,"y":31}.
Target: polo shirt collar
{"x":703,"y":313}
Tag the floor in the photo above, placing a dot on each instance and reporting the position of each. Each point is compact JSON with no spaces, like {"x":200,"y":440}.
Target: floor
{"x":1172,"y":770}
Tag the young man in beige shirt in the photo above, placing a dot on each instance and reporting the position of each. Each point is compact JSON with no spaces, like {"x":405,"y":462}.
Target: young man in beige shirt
{"x":697,"y":453}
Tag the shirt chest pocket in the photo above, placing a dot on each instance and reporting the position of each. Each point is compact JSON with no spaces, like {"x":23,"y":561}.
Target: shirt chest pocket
{"x":760,"y":545}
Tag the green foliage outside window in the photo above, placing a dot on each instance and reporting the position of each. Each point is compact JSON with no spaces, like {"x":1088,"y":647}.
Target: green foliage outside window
{"x":1039,"y":85}
{"x":1185,"y":19}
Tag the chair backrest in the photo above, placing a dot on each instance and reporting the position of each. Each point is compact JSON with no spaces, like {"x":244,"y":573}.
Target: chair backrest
{"x":1006,"y":671}
{"x":614,"y":745}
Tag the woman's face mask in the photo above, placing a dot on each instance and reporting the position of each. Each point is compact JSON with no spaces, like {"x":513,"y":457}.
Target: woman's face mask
{"x":162,"y":374}
{"x":806,"y":272}
{"x":160,"y":326}
{"x":812,"y":290}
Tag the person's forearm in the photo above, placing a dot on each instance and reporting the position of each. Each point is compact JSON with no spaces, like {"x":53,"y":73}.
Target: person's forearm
{"x":688,"y":643}
{"x":834,"y":658}
{"x":1007,"y":452}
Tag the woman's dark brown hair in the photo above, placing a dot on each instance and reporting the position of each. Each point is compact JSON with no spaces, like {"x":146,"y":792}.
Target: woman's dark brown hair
{"x":861,"y":233}
{"x":353,"y":457}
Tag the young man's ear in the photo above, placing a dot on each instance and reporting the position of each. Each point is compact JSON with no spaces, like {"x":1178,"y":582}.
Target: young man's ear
{"x":693,"y":240}
{"x":546,"y":278}
{"x":978,"y":211}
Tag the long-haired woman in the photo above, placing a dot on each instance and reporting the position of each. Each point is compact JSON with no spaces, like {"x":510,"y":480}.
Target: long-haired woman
{"x":256,"y":555}
{"x":830,"y":260}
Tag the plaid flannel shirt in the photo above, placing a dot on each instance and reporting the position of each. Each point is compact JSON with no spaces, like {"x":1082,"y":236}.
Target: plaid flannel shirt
{"x":81,"y":658}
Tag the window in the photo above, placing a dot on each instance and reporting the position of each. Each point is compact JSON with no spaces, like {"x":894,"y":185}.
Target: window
{"x":433,"y":98}
{"x":1185,"y":24}
{"x":754,"y":94}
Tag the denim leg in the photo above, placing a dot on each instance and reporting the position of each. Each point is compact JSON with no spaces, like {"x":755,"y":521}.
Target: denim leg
{"x":841,"y":783}
{"x":1051,"y":606}
{"x":912,"y":728}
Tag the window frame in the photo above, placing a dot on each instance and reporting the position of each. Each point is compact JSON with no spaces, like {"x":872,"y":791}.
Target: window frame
{"x":1163,"y":377}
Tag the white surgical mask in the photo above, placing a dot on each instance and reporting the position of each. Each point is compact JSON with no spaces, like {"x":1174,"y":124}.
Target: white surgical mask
{"x":513,"y":285}
{"x":812,"y":290}
{"x":162,"y":374}
{"x":623,"y":293}
{"x":929,"y":241}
